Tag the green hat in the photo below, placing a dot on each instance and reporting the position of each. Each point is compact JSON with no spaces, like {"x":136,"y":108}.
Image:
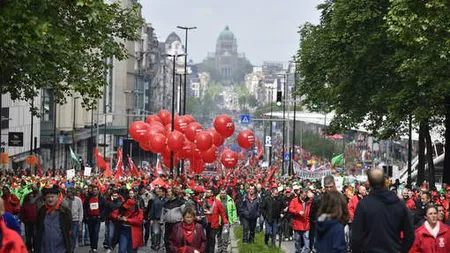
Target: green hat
{"x":188,"y":191}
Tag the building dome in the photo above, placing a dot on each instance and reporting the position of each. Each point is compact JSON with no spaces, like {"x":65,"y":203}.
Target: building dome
{"x":226,"y":34}
{"x":172,"y":37}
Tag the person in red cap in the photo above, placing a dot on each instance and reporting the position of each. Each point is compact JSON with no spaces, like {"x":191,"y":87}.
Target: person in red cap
{"x":10,"y":240}
{"x":129,"y":220}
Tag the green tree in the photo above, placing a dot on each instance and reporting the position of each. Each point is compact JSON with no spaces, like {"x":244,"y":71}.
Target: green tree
{"x":62,"y":45}
{"x":422,"y":27}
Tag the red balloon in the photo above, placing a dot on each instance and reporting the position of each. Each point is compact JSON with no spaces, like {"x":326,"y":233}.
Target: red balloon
{"x":196,"y":166}
{"x":189,"y":118}
{"x":218,"y":139}
{"x":187,"y":150}
{"x":191,"y":130}
{"x":156,"y":124}
{"x":138,"y":129}
{"x":165,"y":116}
{"x":181,"y":123}
{"x":229,"y":158}
{"x":210,"y":155}
{"x":175,"y":141}
{"x":197,"y":153}
{"x":204,"y":140}
{"x":166,"y":152}
{"x":145,"y":145}
{"x":246,"y":139}
{"x":154,"y":130}
{"x":158,"y":143}
{"x":224,"y":125}
{"x":152,"y":118}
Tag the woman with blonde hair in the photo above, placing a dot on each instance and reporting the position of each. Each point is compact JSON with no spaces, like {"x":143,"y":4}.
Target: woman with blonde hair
{"x":333,"y":215}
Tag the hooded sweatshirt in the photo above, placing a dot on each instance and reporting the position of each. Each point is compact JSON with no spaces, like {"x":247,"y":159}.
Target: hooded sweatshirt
{"x":330,"y":236}
{"x":379,"y":220}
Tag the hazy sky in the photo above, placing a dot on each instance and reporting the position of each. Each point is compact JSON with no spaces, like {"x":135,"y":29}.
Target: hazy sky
{"x":266,"y":30}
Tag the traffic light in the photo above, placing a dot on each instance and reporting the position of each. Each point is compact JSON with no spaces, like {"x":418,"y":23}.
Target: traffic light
{"x":279,"y":95}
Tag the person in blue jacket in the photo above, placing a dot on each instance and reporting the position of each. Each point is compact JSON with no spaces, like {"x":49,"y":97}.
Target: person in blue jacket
{"x":11,"y":221}
{"x":332,"y":216}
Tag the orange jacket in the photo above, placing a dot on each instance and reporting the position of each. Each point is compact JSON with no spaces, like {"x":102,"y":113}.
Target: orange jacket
{"x":11,"y":240}
{"x":426,"y":243}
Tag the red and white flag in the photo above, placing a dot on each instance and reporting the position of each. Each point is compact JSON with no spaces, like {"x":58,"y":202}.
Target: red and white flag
{"x":119,"y":165}
{"x":134,"y":169}
{"x":158,"y":169}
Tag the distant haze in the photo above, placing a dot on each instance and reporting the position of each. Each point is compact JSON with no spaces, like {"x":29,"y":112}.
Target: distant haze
{"x":266,"y":30}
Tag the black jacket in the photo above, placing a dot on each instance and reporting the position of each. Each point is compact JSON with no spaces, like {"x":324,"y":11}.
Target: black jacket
{"x":249,"y":210}
{"x":110,"y":207}
{"x":378,"y":221}
{"x":271,"y":208}
{"x":315,"y":205}
{"x":66,"y":227}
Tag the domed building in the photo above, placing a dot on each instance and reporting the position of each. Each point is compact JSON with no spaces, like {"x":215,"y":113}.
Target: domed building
{"x":226,"y":65}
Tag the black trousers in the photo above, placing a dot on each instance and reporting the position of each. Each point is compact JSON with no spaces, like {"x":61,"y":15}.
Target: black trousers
{"x":312,"y":234}
{"x":249,"y":226}
{"x":30,"y":236}
{"x":211,"y":234}
{"x":167,"y":231}
{"x":147,"y":231}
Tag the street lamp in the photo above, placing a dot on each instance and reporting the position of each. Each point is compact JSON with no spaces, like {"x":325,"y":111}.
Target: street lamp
{"x":174,"y":57}
{"x":185,"y":63}
{"x":74,"y":123}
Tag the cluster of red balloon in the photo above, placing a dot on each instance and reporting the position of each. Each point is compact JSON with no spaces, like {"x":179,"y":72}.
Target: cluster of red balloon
{"x":188,"y":140}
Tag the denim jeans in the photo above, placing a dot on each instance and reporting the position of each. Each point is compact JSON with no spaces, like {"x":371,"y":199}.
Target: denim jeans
{"x":74,"y":234}
{"x":156,"y":234}
{"x":111,"y":229}
{"x":94,"y":231}
{"x":272,"y":229}
{"x":85,"y":237}
{"x":301,"y":237}
{"x":125,"y":241}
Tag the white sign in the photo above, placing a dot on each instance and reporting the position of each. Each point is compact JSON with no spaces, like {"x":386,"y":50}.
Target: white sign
{"x":87,"y":171}
{"x":70,"y":174}
{"x":339,"y":181}
{"x":268,"y":141}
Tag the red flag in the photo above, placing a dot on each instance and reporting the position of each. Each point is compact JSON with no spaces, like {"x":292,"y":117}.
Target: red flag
{"x":132,"y":166}
{"x":158,"y":169}
{"x":107,"y":172}
{"x":40,"y":171}
{"x":119,"y":165}
{"x":260,"y":149}
{"x":99,"y":161}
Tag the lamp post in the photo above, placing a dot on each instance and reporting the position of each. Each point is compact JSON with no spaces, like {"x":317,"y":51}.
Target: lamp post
{"x":174,"y":57}
{"x":74,"y":124}
{"x":284,"y":122}
{"x":293,"y":125}
{"x":54,"y":135}
{"x":127,"y":110}
{"x":186,"y":29}
{"x":271,"y":126}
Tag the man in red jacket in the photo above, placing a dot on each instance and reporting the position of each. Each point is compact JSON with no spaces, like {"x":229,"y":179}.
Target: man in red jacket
{"x":351,"y":206}
{"x":300,"y":208}
{"x":214,"y":211}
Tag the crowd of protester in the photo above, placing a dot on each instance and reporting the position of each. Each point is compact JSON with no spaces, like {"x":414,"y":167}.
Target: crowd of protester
{"x":194,"y":214}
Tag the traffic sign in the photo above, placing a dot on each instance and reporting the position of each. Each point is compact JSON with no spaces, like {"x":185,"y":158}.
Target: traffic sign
{"x":245,"y":119}
{"x":286,"y":157}
{"x":268,"y":141}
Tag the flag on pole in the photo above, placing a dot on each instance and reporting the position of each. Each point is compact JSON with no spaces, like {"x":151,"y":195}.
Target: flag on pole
{"x":337,"y":160}
{"x":73,"y":156}
{"x":158,"y":169}
{"x":134,"y":169}
{"x":119,"y":165}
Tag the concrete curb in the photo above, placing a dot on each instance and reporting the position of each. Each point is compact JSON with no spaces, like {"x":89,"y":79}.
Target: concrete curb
{"x":234,"y":241}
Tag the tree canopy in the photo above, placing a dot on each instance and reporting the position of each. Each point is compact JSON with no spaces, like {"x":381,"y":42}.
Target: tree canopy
{"x":62,"y":45}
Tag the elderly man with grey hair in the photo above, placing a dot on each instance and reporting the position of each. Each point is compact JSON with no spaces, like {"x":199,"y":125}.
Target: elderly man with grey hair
{"x":75,"y":204}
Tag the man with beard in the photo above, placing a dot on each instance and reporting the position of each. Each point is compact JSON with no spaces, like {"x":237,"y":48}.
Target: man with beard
{"x":286,"y":218}
{"x":271,"y":209}
{"x":111,"y":205}
{"x":28,"y":215}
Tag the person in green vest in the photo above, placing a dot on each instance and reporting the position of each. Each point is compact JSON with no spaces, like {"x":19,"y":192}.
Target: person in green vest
{"x":228,"y":204}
